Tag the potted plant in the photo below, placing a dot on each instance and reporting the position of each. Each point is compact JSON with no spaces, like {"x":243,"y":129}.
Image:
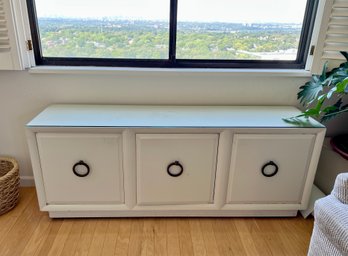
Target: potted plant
{"x":323,"y":99}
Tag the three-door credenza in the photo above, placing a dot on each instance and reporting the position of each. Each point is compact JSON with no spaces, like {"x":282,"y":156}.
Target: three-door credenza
{"x":124,"y":161}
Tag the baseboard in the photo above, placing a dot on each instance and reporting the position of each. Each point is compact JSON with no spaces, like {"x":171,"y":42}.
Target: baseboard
{"x":27,"y":181}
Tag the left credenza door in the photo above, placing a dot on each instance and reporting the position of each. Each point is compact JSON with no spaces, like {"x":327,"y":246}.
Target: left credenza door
{"x":81,"y":168}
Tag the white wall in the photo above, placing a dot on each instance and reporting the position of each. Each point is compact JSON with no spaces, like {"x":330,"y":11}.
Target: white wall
{"x":23,"y":95}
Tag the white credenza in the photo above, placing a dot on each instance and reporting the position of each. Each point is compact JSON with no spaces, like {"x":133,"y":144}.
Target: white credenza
{"x":124,"y":161}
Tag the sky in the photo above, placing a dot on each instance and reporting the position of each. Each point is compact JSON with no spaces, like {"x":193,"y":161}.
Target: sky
{"x":248,"y":11}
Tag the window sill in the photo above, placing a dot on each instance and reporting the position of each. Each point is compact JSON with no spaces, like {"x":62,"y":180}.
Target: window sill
{"x":119,"y":71}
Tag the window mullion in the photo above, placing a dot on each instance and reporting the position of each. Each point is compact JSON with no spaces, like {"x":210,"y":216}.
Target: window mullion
{"x":172,"y":30}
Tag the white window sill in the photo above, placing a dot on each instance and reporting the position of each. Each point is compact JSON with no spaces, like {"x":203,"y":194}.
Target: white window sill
{"x":210,"y":71}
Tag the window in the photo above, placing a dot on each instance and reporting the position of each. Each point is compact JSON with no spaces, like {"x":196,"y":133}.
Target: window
{"x":172,"y":33}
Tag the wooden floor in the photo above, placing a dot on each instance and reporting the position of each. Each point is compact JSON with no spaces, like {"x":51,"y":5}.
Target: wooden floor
{"x":27,"y":231}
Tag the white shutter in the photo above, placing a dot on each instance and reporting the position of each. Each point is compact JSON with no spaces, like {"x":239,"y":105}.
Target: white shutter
{"x":4,"y":40}
{"x":9,"y":52}
{"x":333,"y":35}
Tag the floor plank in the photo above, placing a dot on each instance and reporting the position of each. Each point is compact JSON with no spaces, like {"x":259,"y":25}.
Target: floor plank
{"x":73,"y":238}
{"x":161,"y":237}
{"x":61,"y":237}
{"x":86,"y":237}
{"x":246,"y":238}
{"x":122,"y":243}
{"x":37,"y":239}
{"x":209,"y":237}
{"x":19,"y":234}
{"x":9,"y":219}
{"x":27,"y":231}
{"x":173,"y":244}
{"x":51,"y":236}
{"x":148,"y":248}
{"x":98,"y":238}
{"x":111,"y":237}
{"x":197,"y":238}
{"x":185,"y":238}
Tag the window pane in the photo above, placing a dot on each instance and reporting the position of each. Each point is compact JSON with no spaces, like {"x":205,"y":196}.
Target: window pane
{"x":234,"y":29}
{"x":134,"y":29}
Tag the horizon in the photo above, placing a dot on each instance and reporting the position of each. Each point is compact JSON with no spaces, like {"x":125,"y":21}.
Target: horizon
{"x":230,"y":11}
{"x":115,"y":18}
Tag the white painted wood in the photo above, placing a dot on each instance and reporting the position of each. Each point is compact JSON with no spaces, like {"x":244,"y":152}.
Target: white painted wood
{"x":35,"y":162}
{"x":223,"y":164}
{"x":129,"y":165}
{"x":171,"y":208}
{"x":23,"y":33}
{"x":195,"y":152}
{"x":315,"y":36}
{"x":164,"y":71}
{"x":312,"y":168}
{"x":167,"y":116}
{"x":250,"y":152}
{"x":285,"y":206}
{"x":189,"y":213}
{"x":9,"y":48}
{"x":102,"y":152}
{"x":333,"y":34}
{"x":155,"y":133}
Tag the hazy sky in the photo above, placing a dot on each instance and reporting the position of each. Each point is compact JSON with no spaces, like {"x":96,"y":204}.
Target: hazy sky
{"x":188,"y":10}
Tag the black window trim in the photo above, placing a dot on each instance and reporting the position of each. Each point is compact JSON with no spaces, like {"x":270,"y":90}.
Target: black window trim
{"x":172,"y":62}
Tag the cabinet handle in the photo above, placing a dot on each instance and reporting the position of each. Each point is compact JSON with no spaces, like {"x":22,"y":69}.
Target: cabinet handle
{"x":175,"y":174}
{"x":266,"y":166}
{"x":78,"y":172}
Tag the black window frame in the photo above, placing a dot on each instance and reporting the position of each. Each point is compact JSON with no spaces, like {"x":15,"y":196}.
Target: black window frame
{"x":172,"y":62}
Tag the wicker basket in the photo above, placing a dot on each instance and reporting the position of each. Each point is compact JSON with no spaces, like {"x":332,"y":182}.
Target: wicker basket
{"x":9,"y":184}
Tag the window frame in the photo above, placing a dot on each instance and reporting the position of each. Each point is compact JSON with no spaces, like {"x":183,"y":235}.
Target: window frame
{"x":172,"y":62}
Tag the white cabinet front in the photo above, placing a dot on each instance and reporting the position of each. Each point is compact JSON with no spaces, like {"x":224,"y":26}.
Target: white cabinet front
{"x":81,"y":168}
{"x":269,"y":168}
{"x":176,"y":168}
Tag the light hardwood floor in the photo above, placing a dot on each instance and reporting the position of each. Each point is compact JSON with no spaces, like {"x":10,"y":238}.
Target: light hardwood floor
{"x":27,"y":231}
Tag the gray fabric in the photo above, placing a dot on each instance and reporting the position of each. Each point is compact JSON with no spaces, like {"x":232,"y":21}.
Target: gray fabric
{"x":321,"y":246}
{"x":330,"y":233}
{"x":340,"y":190}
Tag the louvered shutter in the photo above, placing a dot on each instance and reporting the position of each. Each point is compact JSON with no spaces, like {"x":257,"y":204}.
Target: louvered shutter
{"x":9,"y":54}
{"x":333,"y":35}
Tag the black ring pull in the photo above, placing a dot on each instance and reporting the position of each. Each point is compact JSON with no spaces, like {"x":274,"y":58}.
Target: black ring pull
{"x":78,"y":173}
{"x":270,"y":163}
{"x":176,"y":163}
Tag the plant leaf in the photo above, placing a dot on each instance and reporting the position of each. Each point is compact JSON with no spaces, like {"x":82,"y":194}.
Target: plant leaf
{"x":329,"y":85}
{"x":331,"y":92}
{"x":337,"y":108}
{"x":329,"y":109}
{"x":324,"y":72}
{"x":345,"y":54}
{"x":312,"y":112}
{"x":310,"y":91}
{"x":342,"y":86}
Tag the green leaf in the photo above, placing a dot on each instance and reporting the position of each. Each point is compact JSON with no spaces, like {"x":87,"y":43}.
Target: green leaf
{"x":345,"y":54}
{"x":329,"y":109}
{"x":310,"y":91}
{"x":323,"y":72}
{"x":337,"y":108}
{"x":312,"y":112}
{"x":342,"y":70}
{"x":320,"y":102}
{"x":329,"y":85}
{"x":342,"y":86}
{"x":331,"y":92}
